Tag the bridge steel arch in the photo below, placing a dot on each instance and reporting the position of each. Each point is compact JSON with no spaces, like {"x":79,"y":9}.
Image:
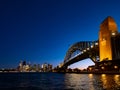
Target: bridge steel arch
{"x":88,"y":49}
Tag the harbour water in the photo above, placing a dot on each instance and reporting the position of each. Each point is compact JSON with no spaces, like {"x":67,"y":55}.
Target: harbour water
{"x":59,"y":81}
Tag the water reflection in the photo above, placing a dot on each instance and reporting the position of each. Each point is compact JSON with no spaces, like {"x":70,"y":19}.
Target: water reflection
{"x":90,"y":76}
{"x":72,"y":81}
{"x":117,"y":80}
{"x":92,"y":82}
{"x":110,"y":82}
{"x":81,"y":82}
{"x":57,"y":81}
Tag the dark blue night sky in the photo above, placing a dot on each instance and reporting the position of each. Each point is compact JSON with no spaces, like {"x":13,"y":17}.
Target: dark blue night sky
{"x":41,"y":31}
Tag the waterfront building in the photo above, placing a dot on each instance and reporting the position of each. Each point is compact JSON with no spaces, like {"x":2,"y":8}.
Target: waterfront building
{"x":20,"y":67}
{"x":49,"y":67}
{"x":27,"y":67}
{"x":91,"y":68}
{"x":60,"y":65}
{"x":23,"y":67}
{"x":46,"y":67}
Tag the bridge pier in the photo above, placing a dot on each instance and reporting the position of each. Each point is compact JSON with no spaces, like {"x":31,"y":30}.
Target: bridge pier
{"x":108,"y":29}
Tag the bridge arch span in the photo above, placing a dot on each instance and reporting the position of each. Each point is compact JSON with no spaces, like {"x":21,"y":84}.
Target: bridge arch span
{"x":89,"y":48}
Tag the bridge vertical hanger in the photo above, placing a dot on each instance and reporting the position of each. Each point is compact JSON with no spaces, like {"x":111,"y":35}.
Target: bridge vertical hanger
{"x":108,"y":28}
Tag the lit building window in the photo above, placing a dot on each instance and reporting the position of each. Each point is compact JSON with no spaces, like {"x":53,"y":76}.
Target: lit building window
{"x":103,"y":42}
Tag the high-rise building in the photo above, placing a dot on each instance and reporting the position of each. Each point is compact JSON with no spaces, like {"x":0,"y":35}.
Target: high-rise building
{"x":23,"y":67}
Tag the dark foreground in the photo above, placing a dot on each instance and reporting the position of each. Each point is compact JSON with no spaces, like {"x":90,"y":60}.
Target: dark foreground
{"x":59,"y":81}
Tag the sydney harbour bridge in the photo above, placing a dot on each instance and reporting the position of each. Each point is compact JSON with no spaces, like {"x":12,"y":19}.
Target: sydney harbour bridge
{"x":104,"y":52}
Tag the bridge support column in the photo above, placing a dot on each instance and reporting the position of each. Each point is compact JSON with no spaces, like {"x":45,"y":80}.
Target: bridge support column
{"x":108,"y":28}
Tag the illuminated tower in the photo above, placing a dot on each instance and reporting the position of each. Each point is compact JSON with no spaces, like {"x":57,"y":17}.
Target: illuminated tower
{"x":108,"y":29}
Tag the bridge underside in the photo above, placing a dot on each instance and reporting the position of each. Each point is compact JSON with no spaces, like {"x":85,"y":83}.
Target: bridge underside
{"x":76,"y":59}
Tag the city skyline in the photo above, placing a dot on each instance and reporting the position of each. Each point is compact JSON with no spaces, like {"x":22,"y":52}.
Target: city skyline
{"x":42,"y":31}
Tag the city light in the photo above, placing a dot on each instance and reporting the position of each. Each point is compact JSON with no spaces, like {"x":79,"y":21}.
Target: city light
{"x":84,"y":50}
{"x":96,"y":43}
{"x":103,"y":75}
{"x":103,"y":68}
{"x":88,"y":48}
{"x":113,"y":33}
{"x":115,"y":67}
{"x":92,"y":46}
{"x":90,"y":68}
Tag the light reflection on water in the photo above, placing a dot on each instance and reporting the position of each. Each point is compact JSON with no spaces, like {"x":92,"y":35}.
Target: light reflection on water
{"x":117,"y":79}
{"x":92,"y":81}
{"x":58,"y":81}
{"x":81,"y":82}
{"x":110,"y":82}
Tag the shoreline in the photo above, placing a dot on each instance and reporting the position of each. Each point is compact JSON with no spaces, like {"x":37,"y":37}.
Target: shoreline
{"x":107,"y":72}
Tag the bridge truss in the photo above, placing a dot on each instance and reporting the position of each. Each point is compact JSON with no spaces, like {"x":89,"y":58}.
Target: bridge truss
{"x":82,"y":50}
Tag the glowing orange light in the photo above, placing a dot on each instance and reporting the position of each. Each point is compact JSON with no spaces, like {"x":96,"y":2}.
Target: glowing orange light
{"x":115,"y":67}
{"x":102,"y":67}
